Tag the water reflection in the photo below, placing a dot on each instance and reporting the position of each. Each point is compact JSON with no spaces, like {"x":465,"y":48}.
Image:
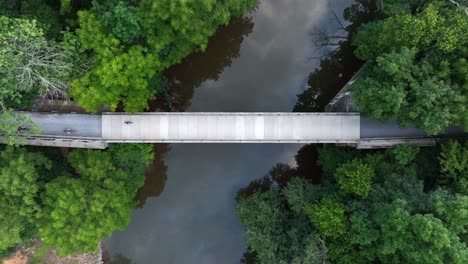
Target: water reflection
{"x":198,"y":67}
{"x":155,"y":176}
{"x":339,"y":65}
{"x":115,"y":259}
{"x":193,"y":220}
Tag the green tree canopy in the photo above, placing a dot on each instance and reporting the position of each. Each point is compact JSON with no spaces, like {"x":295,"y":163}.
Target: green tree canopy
{"x":128,"y":71}
{"x":276,"y":235}
{"x":417,"y":71}
{"x":328,"y":216}
{"x":454,"y":165}
{"x":120,"y":17}
{"x":355,"y":177}
{"x":20,"y":175}
{"x":79,"y":212}
{"x":395,"y":220}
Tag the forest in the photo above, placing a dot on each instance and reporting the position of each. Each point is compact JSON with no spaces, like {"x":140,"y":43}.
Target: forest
{"x":104,"y":55}
{"x":401,"y":205}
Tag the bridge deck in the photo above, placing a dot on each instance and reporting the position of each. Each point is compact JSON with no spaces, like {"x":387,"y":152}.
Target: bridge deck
{"x":232,"y":127}
{"x":95,"y":131}
{"x":54,"y":124}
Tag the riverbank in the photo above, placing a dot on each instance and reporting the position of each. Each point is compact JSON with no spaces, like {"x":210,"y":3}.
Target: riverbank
{"x":36,"y":253}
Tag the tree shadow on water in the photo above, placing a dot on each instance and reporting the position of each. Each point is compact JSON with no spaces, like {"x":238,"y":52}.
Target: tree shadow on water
{"x":115,"y":259}
{"x":339,"y":65}
{"x":183,"y":78}
{"x":155,"y":176}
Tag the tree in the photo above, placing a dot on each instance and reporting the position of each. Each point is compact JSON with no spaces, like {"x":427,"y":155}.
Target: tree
{"x":20,"y":175}
{"x":276,"y":235}
{"x":417,"y":71}
{"x":264,"y":229}
{"x":454,"y":165}
{"x":299,"y":193}
{"x":28,"y":62}
{"x":355,"y":177}
{"x":129,"y":73}
{"x":174,"y":29}
{"x":120,"y":17}
{"x":451,"y":209}
{"x":80,"y":212}
{"x":29,"y":66}
{"x":44,"y":12}
{"x":389,"y":95}
{"x":438,"y":26}
{"x":331,"y":157}
{"x":328,"y":216}
{"x":405,"y":154}
{"x":395,"y":220}
{"x":124,"y":78}
{"x":404,"y":234}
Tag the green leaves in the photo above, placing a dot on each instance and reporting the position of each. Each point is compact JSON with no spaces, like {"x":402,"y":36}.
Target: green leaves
{"x":439,"y":27}
{"x":328,"y":216}
{"x":20,"y":174}
{"x":413,"y":74}
{"x":14,"y":34}
{"x":120,"y":17}
{"x":377,"y":211}
{"x":130,"y":73}
{"x":454,"y":165}
{"x":406,"y":235}
{"x":405,"y":154}
{"x":125,"y":77}
{"x":30,"y":65}
{"x":355,"y":177}
{"x":80,"y":212}
{"x":264,"y":228}
{"x":452,"y":209}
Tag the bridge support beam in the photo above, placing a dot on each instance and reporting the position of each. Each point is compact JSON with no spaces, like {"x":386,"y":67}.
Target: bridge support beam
{"x":62,"y":142}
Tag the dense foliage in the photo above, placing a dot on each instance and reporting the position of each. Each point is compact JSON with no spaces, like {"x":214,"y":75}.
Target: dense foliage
{"x":416,"y":63}
{"x":30,"y":65}
{"x":405,"y":205}
{"x":417,"y":70}
{"x":71,"y":203}
{"x":78,"y":213}
{"x":103,"y":54}
{"x":372,"y":208}
{"x":133,"y":43}
{"x":21,"y":175}
{"x":454,"y":166}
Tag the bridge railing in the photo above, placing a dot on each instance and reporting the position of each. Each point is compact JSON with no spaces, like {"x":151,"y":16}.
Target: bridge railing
{"x":229,"y":141}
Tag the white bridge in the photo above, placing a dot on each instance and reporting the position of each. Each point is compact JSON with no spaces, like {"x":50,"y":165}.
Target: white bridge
{"x":231,"y":127}
{"x":96,"y":131}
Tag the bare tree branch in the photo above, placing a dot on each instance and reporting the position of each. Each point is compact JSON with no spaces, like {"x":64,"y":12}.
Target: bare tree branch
{"x":42,"y":65}
{"x":322,"y":40}
{"x":342,"y":27}
{"x":460,"y":6}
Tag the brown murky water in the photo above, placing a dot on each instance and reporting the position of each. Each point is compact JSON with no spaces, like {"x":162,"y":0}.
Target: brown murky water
{"x":256,"y":63}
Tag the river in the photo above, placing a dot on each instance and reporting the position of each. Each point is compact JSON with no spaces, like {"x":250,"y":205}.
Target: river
{"x":256,"y":63}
